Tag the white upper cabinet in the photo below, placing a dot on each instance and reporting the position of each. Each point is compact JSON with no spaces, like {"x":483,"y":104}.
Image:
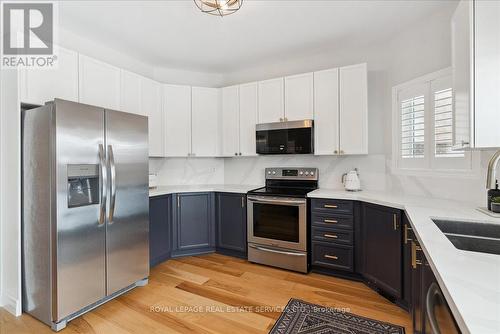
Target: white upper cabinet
{"x":299,"y":102}
{"x":205,"y":113}
{"x":475,"y":30}
{"x":41,"y":85}
{"x":461,"y":39}
{"x":230,"y":121}
{"x":130,"y":92}
{"x":271,"y":101}
{"x":177,"y":120}
{"x":353,"y":109}
{"x":151,"y":106}
{"x":326,"y":112}
{"x":248,"y":118}
{"x":487,"y":74}
{"x":99,"y":83}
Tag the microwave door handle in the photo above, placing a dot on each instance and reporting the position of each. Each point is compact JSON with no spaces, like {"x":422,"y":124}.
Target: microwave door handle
{"x":112,"y":170}
{"x":103,"y":185}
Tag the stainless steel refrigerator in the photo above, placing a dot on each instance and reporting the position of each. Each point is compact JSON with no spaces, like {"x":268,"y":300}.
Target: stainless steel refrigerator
{"x":85,"y":208}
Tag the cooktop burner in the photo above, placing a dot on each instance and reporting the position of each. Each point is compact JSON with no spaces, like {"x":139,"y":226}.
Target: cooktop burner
{"x":288,"y":182}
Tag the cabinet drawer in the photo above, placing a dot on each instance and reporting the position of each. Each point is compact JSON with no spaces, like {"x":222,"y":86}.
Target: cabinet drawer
{"x":332,"y":221}
{"x":333,"y":206}
{"x":337,"y":236}
{"x":333,"y":257}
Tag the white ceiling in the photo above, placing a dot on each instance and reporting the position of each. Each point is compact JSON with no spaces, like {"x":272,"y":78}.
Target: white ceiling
{"x":175,"y":34}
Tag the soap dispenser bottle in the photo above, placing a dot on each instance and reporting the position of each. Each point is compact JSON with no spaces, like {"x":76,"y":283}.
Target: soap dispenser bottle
{"x":493,"y":193}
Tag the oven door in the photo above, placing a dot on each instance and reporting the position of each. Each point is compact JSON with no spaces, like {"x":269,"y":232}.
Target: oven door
{"x":278,"y":222}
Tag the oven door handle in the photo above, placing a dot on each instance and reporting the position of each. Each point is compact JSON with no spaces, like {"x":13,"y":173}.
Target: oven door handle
{"x":277,"y":201}
{"x":276,"y":251}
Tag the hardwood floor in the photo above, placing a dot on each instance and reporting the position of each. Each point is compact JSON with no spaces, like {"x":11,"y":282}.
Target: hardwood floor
{"x":216,"y":294}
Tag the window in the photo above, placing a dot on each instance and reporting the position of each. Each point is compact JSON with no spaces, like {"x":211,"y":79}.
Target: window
{"x":423,"y":135}
{"x":412,"y":127}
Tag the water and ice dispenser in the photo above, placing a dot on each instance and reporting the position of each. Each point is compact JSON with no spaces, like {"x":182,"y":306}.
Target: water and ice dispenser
{"x":83,"y":185}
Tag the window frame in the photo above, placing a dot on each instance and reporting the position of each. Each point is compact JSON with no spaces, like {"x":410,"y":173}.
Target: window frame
{"x":430,"y":165}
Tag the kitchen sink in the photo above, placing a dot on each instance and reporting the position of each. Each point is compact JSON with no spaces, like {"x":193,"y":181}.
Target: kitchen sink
{"x":470,"y":236}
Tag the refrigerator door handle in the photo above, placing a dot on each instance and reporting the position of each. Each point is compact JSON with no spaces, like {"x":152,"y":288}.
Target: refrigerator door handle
{"x":112,"y":169}
{"x":104,"y":185}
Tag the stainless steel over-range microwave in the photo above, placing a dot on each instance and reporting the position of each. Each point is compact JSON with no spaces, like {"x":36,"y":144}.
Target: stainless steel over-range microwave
{"x":294,"y":137}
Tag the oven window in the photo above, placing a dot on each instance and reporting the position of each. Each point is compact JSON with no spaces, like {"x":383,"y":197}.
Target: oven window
{"x":277,"y":222}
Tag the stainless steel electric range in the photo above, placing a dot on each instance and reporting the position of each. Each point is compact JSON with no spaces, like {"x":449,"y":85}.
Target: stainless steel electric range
{"x":277,"y":218}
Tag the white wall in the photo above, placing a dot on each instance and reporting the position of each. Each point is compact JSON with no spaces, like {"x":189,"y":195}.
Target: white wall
{"x":99,"y":51}
{"x":10,"y":202}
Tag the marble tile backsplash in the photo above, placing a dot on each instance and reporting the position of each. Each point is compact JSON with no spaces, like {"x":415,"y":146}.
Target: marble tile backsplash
{"x":181,"y":171}
{"x":375,"y":174}
{"x":250,"y":170}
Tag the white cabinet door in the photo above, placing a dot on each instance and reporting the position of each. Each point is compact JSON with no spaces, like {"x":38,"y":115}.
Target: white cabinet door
{"x":205,"y":122}
{"x":299,"y":103}
{"x":41,"y":85}
{"x":326,"y":112}
{"x":130,"y":93}
{"x":487,"y":73}
{"x":271,"y":104}
{"x":150,"y":105}
{"x":99,"y":83}
{"x":177,"y":120}
{"x":248,"y":118}
{"x":230,"y":121}
{"x":461,"y":44}
{"x":353,"y":110}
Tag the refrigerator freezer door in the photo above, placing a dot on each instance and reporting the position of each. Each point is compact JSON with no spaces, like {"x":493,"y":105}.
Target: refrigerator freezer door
{"x":81,"y":241}
{"x":128,"y":209}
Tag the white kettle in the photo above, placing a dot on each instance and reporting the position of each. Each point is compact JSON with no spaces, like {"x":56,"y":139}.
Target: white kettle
{"x":351,"y":180}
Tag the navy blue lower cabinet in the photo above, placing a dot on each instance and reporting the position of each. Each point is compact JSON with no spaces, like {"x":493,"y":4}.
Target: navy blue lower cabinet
{"x":231,"y":226}
{"x":381,"y":236}
{"x":193,"y":227}
{"x":160,"y":229}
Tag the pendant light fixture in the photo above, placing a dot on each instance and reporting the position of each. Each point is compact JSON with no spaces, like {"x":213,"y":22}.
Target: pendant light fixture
{"x":218,"y":7}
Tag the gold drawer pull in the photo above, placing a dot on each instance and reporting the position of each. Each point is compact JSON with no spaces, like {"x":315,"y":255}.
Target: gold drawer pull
{"x":333,"y":257}
{"x":331,"y":221}
{"x":406,"y":239}
{"x":414,"y":249}
{"x":330,"y":236}
{"x":329,"y":206}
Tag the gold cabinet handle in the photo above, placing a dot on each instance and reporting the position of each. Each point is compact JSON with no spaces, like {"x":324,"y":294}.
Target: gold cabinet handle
{"x":414,"y":249}
{"x":406,"y":234}
{"x":333,"y":257}
{"x":330,"y":221}
{"x":395,"y":222}
{"x":333,"y":236}
{"x":329,"y":206}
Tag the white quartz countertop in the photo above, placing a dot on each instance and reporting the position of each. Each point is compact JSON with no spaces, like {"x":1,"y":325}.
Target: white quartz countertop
{"x":227,"y":188}
{"x":470,"y":281}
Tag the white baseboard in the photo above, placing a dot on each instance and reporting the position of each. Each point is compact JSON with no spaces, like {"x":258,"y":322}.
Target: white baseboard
{"x":11,"y":304}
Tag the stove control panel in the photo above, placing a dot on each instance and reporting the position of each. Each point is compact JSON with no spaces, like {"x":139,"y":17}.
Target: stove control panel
{"x":292,"y":173}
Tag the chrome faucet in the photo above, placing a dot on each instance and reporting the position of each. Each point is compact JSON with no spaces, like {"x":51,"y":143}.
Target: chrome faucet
{"x":492,"y":171}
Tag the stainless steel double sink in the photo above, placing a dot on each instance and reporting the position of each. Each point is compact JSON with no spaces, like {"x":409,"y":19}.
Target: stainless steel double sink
{"x":471,"y":236}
